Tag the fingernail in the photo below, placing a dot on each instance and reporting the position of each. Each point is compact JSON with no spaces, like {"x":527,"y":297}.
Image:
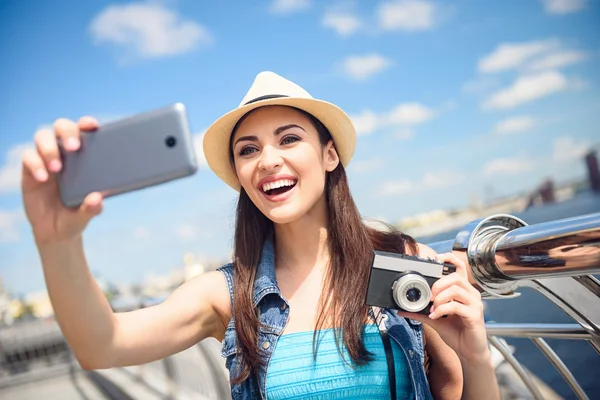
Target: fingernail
{"x":72,"y":144}
{"x":55,"y":165}
{"x":432,"y":315}
{"x":41,"y":175}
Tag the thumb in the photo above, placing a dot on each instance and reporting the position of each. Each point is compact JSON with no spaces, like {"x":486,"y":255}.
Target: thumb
{"x":91,"y":206}
{"x":418,"y":317}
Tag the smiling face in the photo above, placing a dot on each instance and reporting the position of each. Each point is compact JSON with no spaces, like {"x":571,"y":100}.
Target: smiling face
{"x":281,"y":162}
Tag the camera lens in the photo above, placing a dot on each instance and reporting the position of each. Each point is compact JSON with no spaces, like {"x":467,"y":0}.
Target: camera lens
{"x":170,"y":141}
{"x":411,"y":292}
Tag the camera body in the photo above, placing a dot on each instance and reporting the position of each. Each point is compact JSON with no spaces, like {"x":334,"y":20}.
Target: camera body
{"x":403,"y":282}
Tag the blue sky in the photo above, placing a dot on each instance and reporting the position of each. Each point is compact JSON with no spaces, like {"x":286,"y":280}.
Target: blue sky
{"x":448,"y":98}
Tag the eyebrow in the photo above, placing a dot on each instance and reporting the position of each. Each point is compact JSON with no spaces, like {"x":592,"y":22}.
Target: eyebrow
{"x":275,"y":132}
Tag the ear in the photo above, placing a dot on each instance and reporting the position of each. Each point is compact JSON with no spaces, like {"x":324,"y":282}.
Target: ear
{"x":330,"y":157}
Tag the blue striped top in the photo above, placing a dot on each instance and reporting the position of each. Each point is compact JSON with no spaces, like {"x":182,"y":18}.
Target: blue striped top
{"x":294,"y":374}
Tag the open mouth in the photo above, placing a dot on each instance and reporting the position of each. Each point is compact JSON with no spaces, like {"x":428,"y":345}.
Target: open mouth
{"x":278,"y":187}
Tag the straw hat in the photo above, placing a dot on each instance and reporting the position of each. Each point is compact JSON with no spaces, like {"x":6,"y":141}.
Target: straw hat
{"x":271,"y":89}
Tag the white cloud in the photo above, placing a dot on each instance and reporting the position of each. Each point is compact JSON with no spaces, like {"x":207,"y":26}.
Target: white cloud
{"x":410,"y":114}
{"x":407,"y":15}
{"x":366,"y":122}
{"x":507,"y":166}
{"x":344,"y":23}
{"x":558,"y":60}
{"x":429,"y":181}
{"x":563,"y":6}
{"x":288,"y":6}
{"x":515,"y":124}
{"x":150,"y":29}
{"x":513,"y":55}
{"x":197,"y":142}
{"x":526,"y":89}
{"x":533,"y":56}
{"x":9,"y":221}
{"x":10,"y":172}
{"x":567,"y":149}
{"x":403,"y":115}
{"x":363,"y":67}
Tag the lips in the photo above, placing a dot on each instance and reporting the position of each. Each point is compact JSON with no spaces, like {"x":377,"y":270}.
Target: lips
{"x":277,"y":187}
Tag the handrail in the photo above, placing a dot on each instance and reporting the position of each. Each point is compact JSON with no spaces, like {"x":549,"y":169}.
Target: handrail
{"x":556,"y":258}
{"x":503,"y":249}
{"x":536,"y":333}
{"x":512,"y":360}
{"x":560,"y":367}
{"x":548,"y":331}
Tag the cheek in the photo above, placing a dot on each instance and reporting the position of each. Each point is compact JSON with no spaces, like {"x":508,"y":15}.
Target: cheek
{"x":244,"y":172}
{"x":313,"y":175}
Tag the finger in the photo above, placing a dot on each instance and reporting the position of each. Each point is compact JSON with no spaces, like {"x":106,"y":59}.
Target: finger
{"x":45,"y":142}
{"x":424,"y":319}
{"x":68,"y":132}
{"x":454,"y":293}
{"x":34,"y":165}
{"x":92,"y":205}
{"x":88,"y":123}
{"x":453,"y":279}
{"x":455,"y":308}
{"x":451,"y":258}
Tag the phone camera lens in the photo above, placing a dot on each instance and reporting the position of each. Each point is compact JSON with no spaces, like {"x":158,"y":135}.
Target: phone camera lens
{"x":170,"y":141}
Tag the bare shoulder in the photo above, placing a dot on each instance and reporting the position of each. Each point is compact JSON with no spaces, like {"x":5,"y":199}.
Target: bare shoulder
{"x":215,"y":284}
{"x":425,"y":251}
{"x":208,"y":291}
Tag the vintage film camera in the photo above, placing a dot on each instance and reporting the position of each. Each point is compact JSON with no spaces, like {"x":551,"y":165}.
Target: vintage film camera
{"x":403,"y":282}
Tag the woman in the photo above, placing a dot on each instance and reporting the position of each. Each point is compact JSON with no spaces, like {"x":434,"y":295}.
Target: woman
{"x":290,"y":308}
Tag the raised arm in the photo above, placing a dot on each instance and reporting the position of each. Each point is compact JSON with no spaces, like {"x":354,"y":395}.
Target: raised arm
{"x":98,"y":337}
{"x":460,"y":357}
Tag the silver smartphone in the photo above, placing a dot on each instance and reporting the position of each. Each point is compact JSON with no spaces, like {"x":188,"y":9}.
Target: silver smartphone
{"x":130,"y":154}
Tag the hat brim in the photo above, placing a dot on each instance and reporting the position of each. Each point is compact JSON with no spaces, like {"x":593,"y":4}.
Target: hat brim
{"x":217,"y":137}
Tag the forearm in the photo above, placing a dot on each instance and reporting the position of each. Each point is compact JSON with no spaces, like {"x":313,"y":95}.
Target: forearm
{"x":480,"y":379}
{"x":81,"y":309}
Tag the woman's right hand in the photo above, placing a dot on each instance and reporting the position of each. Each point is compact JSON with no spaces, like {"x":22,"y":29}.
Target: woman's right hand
{"x":50,"y":220}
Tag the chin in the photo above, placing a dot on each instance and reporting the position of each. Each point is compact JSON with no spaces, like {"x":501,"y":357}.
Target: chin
{"x":284,"y":215}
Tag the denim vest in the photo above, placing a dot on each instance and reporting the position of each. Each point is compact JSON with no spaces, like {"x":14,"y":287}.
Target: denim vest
{"x":274,"y":312}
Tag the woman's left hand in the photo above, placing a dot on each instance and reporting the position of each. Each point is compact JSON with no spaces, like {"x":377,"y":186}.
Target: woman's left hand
{"x":464,"y":328}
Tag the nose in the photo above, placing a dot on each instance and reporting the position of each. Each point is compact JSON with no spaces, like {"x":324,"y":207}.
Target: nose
{"x":270,"y":159}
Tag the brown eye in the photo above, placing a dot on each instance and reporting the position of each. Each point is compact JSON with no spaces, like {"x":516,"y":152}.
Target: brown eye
{"x":247,"y":151}
{"x":289,"y":139}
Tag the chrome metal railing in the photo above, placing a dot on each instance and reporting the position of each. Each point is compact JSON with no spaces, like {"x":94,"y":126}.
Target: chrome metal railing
{"x":557,"y":259}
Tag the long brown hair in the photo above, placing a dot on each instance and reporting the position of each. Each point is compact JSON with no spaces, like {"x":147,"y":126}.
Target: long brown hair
{"x":350,"y":243}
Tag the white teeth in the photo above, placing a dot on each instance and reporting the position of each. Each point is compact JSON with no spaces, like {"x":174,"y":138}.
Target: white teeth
{"x":277,"y":184}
